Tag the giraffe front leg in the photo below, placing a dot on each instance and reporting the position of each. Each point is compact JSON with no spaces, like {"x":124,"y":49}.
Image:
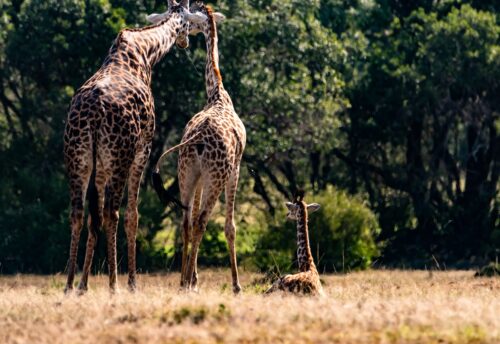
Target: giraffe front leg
{"x":186,"y":224}
{"x":132,"y":214}
{"x":230,"y":228}
{"x":131,"y":222}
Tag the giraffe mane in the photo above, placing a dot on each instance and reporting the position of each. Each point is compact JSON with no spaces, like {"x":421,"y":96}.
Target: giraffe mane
{"x":210,"y":14}
{"x":303,"y":205}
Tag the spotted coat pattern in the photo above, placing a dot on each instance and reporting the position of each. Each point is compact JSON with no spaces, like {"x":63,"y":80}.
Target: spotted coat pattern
{"x":306,"y":281}
{"x":211,"y":163}
{"x":111,"y":122}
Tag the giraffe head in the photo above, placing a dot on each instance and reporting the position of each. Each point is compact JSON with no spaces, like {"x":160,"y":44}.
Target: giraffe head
{"x":297,"y":208}
{"x":206,"y":13}
{"x":181,"y":11}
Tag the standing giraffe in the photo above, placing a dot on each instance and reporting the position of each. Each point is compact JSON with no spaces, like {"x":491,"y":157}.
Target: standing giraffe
{"x":108,"y":134}
{"x":307,"y":280}
{"x":209,"y":160}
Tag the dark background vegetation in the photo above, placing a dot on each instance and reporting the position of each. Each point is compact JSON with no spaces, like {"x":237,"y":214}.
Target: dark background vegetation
{"x":385,"y":111}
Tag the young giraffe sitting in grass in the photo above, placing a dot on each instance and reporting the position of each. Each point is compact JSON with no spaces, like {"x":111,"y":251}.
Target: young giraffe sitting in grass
{"x":307,"y":280}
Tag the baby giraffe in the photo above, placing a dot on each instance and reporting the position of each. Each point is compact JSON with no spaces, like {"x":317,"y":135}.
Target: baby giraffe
{"x":307,"y":280}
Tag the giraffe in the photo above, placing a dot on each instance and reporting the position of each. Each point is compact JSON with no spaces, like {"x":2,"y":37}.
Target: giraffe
{"x":209,"y":160}
{"x":108,"y":134}
{"x":307,"y":280}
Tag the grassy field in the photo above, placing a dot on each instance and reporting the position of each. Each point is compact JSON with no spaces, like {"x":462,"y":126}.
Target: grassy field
{"x":365,"y":307}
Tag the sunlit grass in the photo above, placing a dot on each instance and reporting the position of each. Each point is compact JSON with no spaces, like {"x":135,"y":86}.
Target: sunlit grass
{"x":374,"y":306}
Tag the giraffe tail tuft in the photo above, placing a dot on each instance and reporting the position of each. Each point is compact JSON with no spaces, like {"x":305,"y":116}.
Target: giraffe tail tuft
{"x":165,"y":197}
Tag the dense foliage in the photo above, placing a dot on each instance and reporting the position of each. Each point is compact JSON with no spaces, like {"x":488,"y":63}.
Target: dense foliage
{"x":395,"y":103}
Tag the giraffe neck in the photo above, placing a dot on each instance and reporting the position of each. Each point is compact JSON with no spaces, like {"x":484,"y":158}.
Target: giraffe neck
{"x":304,"y":255}
{"x":140,"y":49}
{"x":213,"y":78}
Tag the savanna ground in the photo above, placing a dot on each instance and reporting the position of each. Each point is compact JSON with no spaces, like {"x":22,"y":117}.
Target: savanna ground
{"x":364,"y":307}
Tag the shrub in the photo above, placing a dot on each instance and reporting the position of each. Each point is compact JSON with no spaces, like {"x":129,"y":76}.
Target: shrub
{"x":342,"y":233}
{"x":342,"y":236}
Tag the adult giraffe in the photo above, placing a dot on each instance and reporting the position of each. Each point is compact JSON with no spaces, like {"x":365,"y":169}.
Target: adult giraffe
{"x":209,"y":159}
{"x":108,"y":134}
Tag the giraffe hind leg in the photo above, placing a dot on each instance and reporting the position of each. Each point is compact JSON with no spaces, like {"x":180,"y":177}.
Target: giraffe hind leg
{"x":79,"y":179}
{"x":189,"y":181}
{"x":99,"y":181}
{"x":112,"y":201}
{"x":195,"y":215}
{"x":131,"y":214}
{"x":211,"y":192}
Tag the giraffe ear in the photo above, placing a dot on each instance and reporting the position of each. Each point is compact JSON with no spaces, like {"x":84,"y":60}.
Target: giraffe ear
{"x":155,"y":18}
{"x":196,"y":17}
{"x":219,"y":17}
{"x":290,"y":205}
{"x":311,"y":208}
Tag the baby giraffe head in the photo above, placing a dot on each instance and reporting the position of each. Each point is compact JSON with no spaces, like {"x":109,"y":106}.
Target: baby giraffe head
{"x":298,"y":207}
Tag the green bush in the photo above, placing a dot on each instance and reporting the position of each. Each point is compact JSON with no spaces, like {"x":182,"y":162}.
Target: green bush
{"x":342,"y":232}
{"x":342,"y":236}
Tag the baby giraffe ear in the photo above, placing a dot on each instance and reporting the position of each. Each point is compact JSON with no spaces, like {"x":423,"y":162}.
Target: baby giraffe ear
{"x":219,"y":17}
{"x":289,"y":205}
{"x":311,"y":208}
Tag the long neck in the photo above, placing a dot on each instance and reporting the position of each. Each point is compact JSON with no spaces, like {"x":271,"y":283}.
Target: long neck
{"x":304,"y":255}
{"x":140,"y":49}
{"x":213,"y":77}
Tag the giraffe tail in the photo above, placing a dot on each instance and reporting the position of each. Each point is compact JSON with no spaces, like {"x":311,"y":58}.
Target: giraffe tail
{"x":166,"y":197}
{"x":93,"y":196}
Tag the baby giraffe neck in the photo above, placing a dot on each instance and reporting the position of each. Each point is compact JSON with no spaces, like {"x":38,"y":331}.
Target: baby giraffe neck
{"x":304,"y":255}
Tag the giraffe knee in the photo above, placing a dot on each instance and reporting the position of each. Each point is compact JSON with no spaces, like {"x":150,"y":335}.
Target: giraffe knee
{"x":230,"y":231}
{"x":186,"y":224}
{"x":76,"y":219}
{"x":202,"y":223}
{"x":111,"y":216}
{"x":131,"y":220}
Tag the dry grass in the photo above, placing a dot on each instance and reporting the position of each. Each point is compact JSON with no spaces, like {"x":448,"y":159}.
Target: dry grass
{"x":367,"y":307}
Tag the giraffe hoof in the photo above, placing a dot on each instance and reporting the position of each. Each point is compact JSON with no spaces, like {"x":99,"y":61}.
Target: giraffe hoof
{"x":236,"y":289}
{"x":81,"y":291}
{"x":132,"y":287}
{"x":68,"y":290}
